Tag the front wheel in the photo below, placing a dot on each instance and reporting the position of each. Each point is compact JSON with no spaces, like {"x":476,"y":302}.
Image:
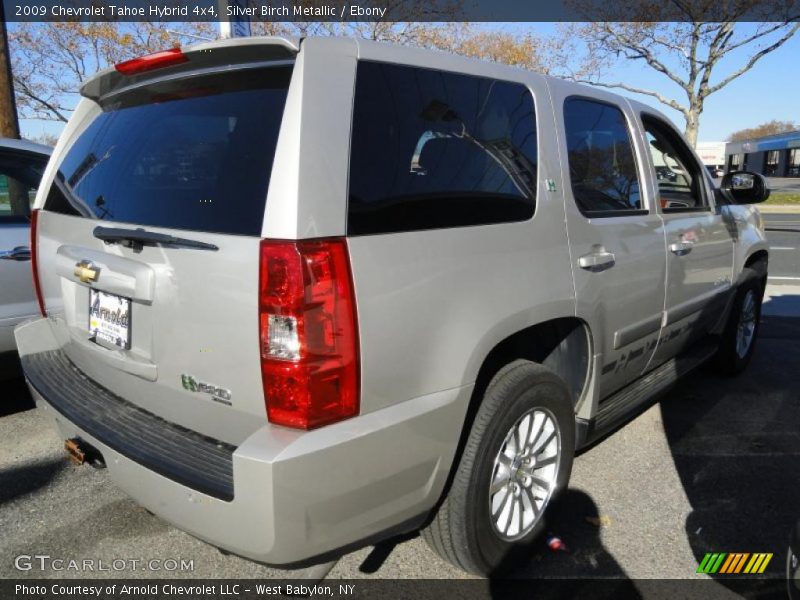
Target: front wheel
{"x":516,"y":461}
{"x":739,"y":338}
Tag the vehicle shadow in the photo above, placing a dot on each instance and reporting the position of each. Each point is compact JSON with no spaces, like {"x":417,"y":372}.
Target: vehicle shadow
{"x":584,"y":570}
{"x":16,"y":397}
{"x":16,"y":482}
{"x":735,"y":443}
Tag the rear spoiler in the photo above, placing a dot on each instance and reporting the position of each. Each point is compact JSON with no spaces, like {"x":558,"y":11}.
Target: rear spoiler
{"x":199,"y":58}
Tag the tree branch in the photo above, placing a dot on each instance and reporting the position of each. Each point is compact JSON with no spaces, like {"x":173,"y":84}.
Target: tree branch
{"x":642,"y":52}
{"x":753,"y":60}
{"x":24,"y":90}
{"x":757,"y":35}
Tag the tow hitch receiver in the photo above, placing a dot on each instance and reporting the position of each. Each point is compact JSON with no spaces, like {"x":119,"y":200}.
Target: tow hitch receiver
{"x":76,"y":454}
{"x":80,"y":452}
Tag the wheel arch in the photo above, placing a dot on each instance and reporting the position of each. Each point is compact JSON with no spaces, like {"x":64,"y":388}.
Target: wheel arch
{"x":758,"y":261}
{"x":562,"y":344}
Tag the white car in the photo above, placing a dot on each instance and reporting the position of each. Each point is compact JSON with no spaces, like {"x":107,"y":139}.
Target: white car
{"x":21,"y":166}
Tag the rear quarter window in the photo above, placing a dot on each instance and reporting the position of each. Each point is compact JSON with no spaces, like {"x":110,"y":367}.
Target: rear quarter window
{"x":194,"y":154}
{"x":433,"y":149}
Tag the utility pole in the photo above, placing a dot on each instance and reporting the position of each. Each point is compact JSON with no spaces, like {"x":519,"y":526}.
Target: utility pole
{"x":237,"y":25}
{"x":9,"y":125}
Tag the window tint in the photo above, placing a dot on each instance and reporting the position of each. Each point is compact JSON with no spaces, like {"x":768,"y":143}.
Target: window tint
{"x":193,"y":154}
{"x":678,"y":174}
{"x":431,"y":149}
{"x":20,"y":174}
{"x":601,"y":160}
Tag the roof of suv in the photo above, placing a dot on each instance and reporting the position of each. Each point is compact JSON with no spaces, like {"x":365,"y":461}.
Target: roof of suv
{"x":221,"y":53}
{"x":208,"y":55}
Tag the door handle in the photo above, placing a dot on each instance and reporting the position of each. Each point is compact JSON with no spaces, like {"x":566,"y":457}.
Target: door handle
{"x":19,"y":253}
{"x":597,"y":261}
{"x":681,"y":248}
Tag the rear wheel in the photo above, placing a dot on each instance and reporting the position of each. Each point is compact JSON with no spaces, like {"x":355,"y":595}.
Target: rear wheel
{"x":739,"y":338}
{"x":517,"y":459}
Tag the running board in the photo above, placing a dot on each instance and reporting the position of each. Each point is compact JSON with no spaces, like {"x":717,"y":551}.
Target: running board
{"x":626,"y":402}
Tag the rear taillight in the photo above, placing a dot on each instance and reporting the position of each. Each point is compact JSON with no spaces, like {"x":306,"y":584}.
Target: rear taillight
{"x":308,"y":330}
{"x":159,"y":60}
{"x":37,"y":288}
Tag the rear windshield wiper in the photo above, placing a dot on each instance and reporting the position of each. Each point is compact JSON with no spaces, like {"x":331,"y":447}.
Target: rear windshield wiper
{"x":137,"y":238}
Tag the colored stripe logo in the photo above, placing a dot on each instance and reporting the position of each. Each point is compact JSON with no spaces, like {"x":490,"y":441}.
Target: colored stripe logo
{"x":734,"y":563}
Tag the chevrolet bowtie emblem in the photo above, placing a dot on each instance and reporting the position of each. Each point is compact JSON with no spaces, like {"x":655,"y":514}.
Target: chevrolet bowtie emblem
{"x":86,"y":271}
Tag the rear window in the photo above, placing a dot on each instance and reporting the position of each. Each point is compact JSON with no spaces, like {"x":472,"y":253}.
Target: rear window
{"x":432,"y":149}
{"x":186,"y":155}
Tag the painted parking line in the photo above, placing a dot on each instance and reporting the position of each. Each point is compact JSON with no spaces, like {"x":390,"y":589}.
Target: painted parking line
{"x":774,"y":278}
{"x":782,"y":248}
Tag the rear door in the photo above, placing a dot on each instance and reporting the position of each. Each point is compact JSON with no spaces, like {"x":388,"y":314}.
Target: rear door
{"x":616,"y":239}
{"x":170,"y":326}
{"x":699,"y":244}
{"x":20,"y":173}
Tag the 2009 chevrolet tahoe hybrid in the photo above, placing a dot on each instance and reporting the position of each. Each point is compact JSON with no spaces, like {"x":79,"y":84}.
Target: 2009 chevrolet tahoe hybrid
{"x":299,"y":295}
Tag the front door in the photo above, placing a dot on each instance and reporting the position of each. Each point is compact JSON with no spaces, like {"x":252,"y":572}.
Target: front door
{"x":699,"y":244}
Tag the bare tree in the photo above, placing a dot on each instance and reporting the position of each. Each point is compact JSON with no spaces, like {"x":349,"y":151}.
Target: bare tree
{"x":698,"y":56}
{"x":51,"y":60}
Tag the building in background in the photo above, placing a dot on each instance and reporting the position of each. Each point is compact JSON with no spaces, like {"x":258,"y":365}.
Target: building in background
{"x":711,"y":153}
{"x":772,"y":155}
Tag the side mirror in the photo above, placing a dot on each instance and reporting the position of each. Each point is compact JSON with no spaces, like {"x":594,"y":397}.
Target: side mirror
{"x":744,"y":187}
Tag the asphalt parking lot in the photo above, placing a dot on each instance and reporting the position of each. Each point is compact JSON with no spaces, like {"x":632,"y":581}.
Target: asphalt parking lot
{"x":713,"y":467}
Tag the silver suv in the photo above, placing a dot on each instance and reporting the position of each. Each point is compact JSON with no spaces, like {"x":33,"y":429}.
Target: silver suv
{"x":301,"y":295}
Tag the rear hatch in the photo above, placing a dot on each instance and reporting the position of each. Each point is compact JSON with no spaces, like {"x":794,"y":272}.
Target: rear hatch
{"x":148,"y":238}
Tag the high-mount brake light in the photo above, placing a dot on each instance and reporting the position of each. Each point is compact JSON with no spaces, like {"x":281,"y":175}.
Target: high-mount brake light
{"x":150,"y":62}
{"x":308,"y":332}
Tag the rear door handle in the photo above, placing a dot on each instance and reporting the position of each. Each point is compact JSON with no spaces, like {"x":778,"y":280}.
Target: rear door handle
{"x":681,"y":248}
{"x":597,"y":261}
{"x":19,"y":253}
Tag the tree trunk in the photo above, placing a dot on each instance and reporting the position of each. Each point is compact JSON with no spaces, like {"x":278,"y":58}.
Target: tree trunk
{"x":9,"y":125}
{"x":690,"y":132}
{"x":18,"y":200}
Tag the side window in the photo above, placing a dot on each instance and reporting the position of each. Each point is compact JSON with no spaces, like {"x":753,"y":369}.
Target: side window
{"x":602,"y":166}
{"x":19,"y":180}
{"x":678,"y":175}
{"x":431,"y":149}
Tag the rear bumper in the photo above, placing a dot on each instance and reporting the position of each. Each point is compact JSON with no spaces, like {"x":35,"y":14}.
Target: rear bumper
{"x":295,"y":495}
{"x":7,"y":325}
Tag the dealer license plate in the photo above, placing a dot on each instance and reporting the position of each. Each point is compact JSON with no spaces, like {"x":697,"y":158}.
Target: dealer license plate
{"x":110,"y":319}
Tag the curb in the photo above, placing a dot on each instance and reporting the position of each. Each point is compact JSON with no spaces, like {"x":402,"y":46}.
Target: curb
{"x":780,"y":208}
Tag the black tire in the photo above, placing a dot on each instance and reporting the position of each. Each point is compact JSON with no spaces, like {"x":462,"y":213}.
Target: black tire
{"x":728,"y":359}
{"x":462,"y":531}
